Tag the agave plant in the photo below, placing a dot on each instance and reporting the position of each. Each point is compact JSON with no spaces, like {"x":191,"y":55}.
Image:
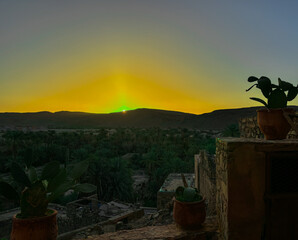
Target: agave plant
{"x":276,"y":94}
{"x":39,"y":191}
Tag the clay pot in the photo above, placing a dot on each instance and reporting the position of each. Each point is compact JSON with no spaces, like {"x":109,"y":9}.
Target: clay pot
{"x":273,"y":124}
{"x":36,"y":228}
{"x":189,"y":215}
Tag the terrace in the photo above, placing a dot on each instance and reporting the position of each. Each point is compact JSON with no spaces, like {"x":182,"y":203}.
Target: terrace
{"x":250,"y":187}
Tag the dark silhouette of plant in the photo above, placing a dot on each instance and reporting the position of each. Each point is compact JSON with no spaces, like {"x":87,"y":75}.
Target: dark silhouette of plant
{"x":38,"y":191}
{"x":277,"y":98}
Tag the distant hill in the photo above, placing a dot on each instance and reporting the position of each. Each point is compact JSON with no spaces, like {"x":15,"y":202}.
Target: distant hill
{"x":140,"y":118}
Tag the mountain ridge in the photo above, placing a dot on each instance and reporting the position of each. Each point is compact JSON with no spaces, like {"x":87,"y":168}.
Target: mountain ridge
{"x":140,"y":118}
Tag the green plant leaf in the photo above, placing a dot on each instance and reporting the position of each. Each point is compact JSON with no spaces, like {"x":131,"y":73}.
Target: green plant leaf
{"x":198,"y":197}
{"x":264,"y":84}
{"x":277,"y":99}
{"x":251,"y":87}
{"x":45,"y":183}
{"x":274,"y":86}
{"x":259,"y":100}
{"x":78,"y":169}
{"x":285,"y":86}
{"x":264,"y":80}
{"x":19,"y":175}
{"x":50,"y":170}
{"x":59,"y":179}
{"x":85,"y":188}
{"x":189,"y":194}
{"x":179,"y":193}
{"x":266,"y":91}
{"x":292,"y":93}
{"x":252,"y":79}
{"x":34,"y":201}
{"x":60,"y":190}
{"x":8,"y":191}
{"x":32,"y":174}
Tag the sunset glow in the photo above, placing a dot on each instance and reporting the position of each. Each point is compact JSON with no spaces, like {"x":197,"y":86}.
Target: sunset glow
{"x":111,"y":56}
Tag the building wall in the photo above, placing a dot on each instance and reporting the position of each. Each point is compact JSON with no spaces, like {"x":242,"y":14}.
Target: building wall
{"x":240,"y":184}
{"x":206,"y":179}
{"x":221,"y":189}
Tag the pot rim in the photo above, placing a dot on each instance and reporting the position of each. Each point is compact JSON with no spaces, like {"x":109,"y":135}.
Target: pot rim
{"x":189,"y":203}
{"x":34,"y":218}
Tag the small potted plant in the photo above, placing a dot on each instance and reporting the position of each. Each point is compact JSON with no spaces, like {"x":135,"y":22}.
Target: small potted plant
{"x":36,"y":221}
{"x":189,"y":207}
{"x":274,"y":121}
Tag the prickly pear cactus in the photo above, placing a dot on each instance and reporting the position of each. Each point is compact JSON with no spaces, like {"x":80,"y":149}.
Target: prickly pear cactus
{"x":40,"y":190}
{"x":187,"y":194}
{"x":277,"y":98}
{"x":34,"y":201}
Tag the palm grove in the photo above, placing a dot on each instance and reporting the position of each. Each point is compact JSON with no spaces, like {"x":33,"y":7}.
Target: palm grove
{"x":156,"y":151}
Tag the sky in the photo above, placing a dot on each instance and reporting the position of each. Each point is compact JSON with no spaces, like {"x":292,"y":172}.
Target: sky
{"x":111,"y":55}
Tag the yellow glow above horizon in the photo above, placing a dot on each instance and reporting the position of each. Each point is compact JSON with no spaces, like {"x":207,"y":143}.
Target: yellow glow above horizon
{"x":120,"y":91}
{"x":102,"y":57}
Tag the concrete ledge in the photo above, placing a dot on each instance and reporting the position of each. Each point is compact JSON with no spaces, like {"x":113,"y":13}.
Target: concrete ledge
{"x":129,"y":215}
{"x":208,"y":231}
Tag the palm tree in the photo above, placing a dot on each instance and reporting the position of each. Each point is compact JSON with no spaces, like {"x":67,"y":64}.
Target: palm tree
{"x":112,"y":178}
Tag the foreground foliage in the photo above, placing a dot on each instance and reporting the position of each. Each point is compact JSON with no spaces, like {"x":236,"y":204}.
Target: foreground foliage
{"x":40,"y":189}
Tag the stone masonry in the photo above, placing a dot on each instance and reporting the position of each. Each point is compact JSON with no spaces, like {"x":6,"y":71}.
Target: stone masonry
{"x":206,"y":179}
{"x":241,"y":184}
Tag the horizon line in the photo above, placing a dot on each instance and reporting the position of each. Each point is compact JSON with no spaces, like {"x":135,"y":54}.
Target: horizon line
{"x":46,"y":111}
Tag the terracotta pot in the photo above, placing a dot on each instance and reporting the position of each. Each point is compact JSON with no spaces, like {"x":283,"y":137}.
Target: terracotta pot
{"x":273,"y":124}
{"x":37,"y":228}
{"x":189,"y":215}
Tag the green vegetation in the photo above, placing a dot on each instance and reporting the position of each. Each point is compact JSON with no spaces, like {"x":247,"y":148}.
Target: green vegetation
{"x":186,"y":193}
{"x":40,"y":189}
{"x":113,"y":156}
{"x":231,"y":131}
{"x":277,"y":98}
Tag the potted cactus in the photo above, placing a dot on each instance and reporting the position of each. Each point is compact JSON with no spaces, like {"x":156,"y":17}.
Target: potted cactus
{"x":36,"y":221}
{"x":274,"y":121}
{"x":189,"y":207}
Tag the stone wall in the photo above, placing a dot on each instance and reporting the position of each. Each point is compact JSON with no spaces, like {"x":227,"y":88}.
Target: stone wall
{"x":205,"y":179}
{"x":221,"y":189}
{"x":240,"y":184}
{"x":249,"y":128}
